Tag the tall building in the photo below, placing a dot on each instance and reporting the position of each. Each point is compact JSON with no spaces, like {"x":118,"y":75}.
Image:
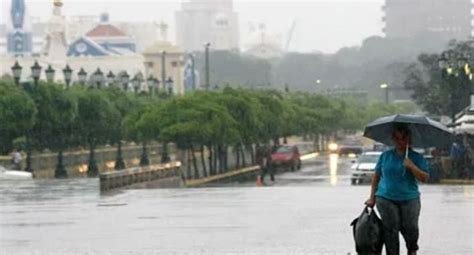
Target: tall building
{"x":19,"y":37}
{"x":202,"y":21}
{"x":442,"y":19}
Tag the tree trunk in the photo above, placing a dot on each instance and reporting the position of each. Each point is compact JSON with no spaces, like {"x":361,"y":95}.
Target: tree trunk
{"x":237,"y":154}
{"x":144,"y":161}
{"x":226,"y":157}
{"x":203,"y":161}
{"x":196,"y":170}
{"x":216,"y":155}
{"x":189,"y":160}
{"x":252,"y":154}
{"x":244,"y":164}
{"x":209,"y":160}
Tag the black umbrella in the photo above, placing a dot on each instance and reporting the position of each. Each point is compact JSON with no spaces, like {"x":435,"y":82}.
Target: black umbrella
{"x":425,"y":132}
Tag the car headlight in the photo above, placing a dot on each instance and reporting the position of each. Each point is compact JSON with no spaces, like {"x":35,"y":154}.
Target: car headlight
{"x":333,"y":146}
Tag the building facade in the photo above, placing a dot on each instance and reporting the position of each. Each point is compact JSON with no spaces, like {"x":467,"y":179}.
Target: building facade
{"x":166,"y":62}
{"x":443,"y":19}
{"x":104,"y":39}
{"x":202,"y":21}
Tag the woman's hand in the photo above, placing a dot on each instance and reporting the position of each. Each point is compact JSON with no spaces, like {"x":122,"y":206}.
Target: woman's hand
{"x":408,"y":163}
{"x":370,"y":202}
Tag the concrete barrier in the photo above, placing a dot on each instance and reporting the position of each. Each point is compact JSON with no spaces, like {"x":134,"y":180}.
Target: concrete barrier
{"x":127,"y":177}
{"x":252,"y":170}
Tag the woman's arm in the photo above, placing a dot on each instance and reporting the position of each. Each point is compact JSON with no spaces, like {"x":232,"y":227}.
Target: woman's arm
{"x":373,"y":188}
{"x":419,"y":174}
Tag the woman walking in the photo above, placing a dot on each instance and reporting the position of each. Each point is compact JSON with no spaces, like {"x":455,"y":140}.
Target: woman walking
{"x":394,"y":190}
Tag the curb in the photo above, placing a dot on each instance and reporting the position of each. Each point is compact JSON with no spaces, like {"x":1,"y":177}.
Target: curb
{"x":456,"y":182}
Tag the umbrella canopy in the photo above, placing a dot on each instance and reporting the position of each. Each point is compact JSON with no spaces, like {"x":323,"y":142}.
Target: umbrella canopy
{"x":425,"y":132}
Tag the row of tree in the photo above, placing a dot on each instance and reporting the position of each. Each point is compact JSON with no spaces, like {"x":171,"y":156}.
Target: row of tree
{"x":47,"y":116}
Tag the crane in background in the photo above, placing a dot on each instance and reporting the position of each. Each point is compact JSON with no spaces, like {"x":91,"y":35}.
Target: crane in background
{"x":290,"y":35}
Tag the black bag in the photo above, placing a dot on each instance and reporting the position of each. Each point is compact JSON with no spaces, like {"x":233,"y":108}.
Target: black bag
{"x":368,"y":232}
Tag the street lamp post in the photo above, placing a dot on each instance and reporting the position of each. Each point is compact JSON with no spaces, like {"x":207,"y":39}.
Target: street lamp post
{"x":136,"y":83}
{"x":151,"y":83}
{"x":193,"y":74}
{"x":36,"y":72}
{"x":98,"y":77}
{"x":82,"y":76}
{"x":384,"y":86}
{"x":49,"y":73}
{"x":163,"y":69}
{"x":67,"y":72}
{"x":169,"y":84}
{"x":110,"y":78}
{"x":206,"y":47}
{"x":455,"y":69}
{"x":125,"y":78}
{"x":16,"y":70}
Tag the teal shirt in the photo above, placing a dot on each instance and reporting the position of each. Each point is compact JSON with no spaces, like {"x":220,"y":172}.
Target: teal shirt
{"x":396,"y":182}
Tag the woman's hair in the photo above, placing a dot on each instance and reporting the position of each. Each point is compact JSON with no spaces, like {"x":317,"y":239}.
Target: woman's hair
{"x":402,"y":129}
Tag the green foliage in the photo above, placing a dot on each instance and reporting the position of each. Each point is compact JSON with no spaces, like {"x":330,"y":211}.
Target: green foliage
{"x":96,"y":115}
{"x":63,"y":118}
{"x":57,"y":110}
{"x":433,"y":92}
{"x":17,"y":114}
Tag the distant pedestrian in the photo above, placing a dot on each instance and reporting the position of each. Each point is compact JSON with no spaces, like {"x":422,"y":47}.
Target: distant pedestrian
{"x":267,"y":166}
{"x":16,"y":160}
{"x":395,"y":191}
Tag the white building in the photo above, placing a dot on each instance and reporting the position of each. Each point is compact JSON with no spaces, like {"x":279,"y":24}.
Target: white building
{"x":202,"y":21}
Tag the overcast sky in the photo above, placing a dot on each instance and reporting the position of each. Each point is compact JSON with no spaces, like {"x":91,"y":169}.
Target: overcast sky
{"x":321,"y":25}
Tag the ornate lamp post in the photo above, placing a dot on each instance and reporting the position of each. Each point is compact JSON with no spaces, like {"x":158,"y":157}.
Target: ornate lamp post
{"x":136,"y":83}
{"x":67,"y":72}
{"x":110,"y":78}
{"x":36,"y":72}
{"x":170,"y":84}
{"x":49,"y":73}
{"x":124,"y":79}
{"x":98,"y":77}
{"x":82,"y":76}
{"x":151,"y":83}
{"x":16,"y":70}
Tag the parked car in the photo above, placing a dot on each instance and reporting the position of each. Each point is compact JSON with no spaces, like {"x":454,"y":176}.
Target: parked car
{"x":380,"y":147}
{"x":364,"y":168}
{"x":350,"y":150}
{"x":286,"y":156}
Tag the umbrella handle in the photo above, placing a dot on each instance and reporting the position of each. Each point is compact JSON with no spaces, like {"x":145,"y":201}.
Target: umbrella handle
{"x":406,"y":156}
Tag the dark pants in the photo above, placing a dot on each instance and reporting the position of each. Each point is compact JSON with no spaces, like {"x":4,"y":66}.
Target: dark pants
{"x":399,"y":216}
{"x":268,"y":169}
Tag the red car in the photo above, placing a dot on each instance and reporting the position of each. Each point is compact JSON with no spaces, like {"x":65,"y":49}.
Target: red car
{"x":286,"y":156}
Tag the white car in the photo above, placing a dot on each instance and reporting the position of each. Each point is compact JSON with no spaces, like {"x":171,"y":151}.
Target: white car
{"x":364,"y":168}
{"x":14,"y":174}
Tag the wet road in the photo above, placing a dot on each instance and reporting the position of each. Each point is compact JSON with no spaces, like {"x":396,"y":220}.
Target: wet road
{"x":305,"y":212}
